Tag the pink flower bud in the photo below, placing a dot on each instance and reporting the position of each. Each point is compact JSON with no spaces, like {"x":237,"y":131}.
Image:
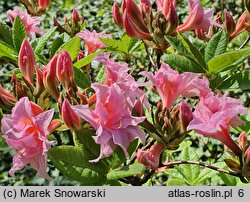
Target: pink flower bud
{"x":229,"y":23}
{"x":151,"y":157}
{"x":133,"y":30}
{"x":7,"y":95}
{"x":43,"y":4}
{"x":70,"y":118}
{"x":75,"y":17}
{"x":242,"y":140}
{"x":54,"y":124}
{"x":64,"y":69}
{"x":26,"y":61}
{"x":172,"y":18}
{"x":80,"y":55}
{"x":186,"y":114}
{"x":247,"y":156}
{"x":240,"y":26}
{"x":145,"y":6}
{"x":50,"y":79}
{"x":7,"y":100}
{"x":39,"y":82}
{"x":117,"y":15}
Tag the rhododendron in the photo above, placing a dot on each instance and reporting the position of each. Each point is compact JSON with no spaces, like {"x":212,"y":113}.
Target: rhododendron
{"x":92,"y":40}
{"x":214,"y":114}
{"x":30,"y":22}
{"x":170,"y":84}
{"x":26,"y":130}
{"x":112,"y":119}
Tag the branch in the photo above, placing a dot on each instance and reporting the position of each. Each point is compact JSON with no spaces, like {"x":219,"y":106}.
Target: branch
{"x":245,"y":43}
{"x":206,"y":165}
{"x":149,"y":56}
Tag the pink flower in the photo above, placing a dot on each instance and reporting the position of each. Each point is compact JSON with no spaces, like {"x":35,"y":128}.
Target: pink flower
{"x":30,"y":22}
{"x":214,"y":114}
{"x":26,"y":130}
{"x":198,"y":18}
{"x":165,"y":6}
{"x":242,"y":25}
{"x":151,"y":157}
{"x":92,"y":40}
{"x":117,"y":72}
{"x":112,"y":119}
{"x":170,"y":84}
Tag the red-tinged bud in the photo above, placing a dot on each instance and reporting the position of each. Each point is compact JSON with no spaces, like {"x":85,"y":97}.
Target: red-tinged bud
{"x":151,"y":157}
{"x":39,"y":82}
{"x":145,"y":6}
{"x":186,"y":114}
{"x":117,"y":15}
{"x":247,"y":156}
{"x":135,"y":15}
{"x":138,"y":108}
{"x":229,"y":23}
{"x":172,"y":19}
{"x":43,"y":4}
{"x":218,"y":18}
{"x":26,"y":61}
{"x":59,"y":27}
{"x":82,"y":97}
{"x":64,"y":69}
{"x":133,"y":31}
{"x":70,"y":118}
{"x":75,"y":17}
{"x":80,"y":55}
{"x":242,"y":140}
{"x":7,"y":100}
{"x":240,"y":26}
{"x":92,"y":100}
{"x":123,"y":6}
{"x":50,"y":80}
{"x":200,"y":34}
{"x":54,"y":125}
{"x":7,"y":95}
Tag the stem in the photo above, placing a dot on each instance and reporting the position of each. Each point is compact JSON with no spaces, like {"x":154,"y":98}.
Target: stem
{"x":149,"y":56}
{"x":245,"y":42}
{"x":170,"y":164}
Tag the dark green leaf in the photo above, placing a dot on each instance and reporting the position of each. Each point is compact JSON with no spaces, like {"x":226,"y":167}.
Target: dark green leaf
{"x":126,"y":171}
{"x":216,"y":45}
{"x":81,"y":79}
{"x":74,"y":163}
{"x":86,"y":60}
{"x":57,"y":43}
{"x":18,"y":33}
{"x":227,"y":60}
{"x":72,"y":47}
{"x":228,"y":179}
{"x":5,"y":33}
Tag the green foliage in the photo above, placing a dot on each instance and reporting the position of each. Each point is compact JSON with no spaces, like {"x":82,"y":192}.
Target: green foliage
{"x":81,"y":79}
{"x":5,"y":33}
{"x":86,"y":60}
{"x":7,"y":53}
{"x":19,"y":33}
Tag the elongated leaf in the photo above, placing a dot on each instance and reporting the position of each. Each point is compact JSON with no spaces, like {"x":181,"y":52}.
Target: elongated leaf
{"x":74,"y":163}
{"x":100,"y":77}
{"x":5,"y":33}
{"x":126,"y":171}
{"x":81,"y":79}
{"x":227,"y":60}
{"x":7,"y":52}
{"x":88,"y":59}
{"x":72,"y":47}
{"x":57,"y":43}
{"x":181,"y":63}
{"x":216,"y":45}
{"x":42,"y":41}
{"x":18,"y":33}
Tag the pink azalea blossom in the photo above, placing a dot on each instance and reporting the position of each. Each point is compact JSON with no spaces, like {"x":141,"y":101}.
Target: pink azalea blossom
{"x":198,"y":18}
{"x":112,"y":119}
{"x":170,"y":84}
{"x":26,"y":130}
{"x":214,"y":114}
{"x":92,"y":40}
{"x":30,"y":22}
{"x":117,"y":72}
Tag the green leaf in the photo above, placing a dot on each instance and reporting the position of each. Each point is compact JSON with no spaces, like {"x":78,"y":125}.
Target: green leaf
{"x":240,"y":80}
{"x":72,"y":47}
{"x":74,"y":163}
{"x":100,"y":77}
{"x":216,"y":45}
{"x":181,"y":63}
{"x":57,"y":43}
{"x":3,"y":144}
{"x":18,"y":33}
{"x":7,"y":52}
{"x":81,"y":79}
{"x":126,"y":171}
{"x":16,"y":71}
{"x":5,"y":33}
{"x":42,"y":41}
{"x":187,"y":49}
{"x":227,"y":60}
{"x":176,"y":182}
{"x":86,"y":60}
{"x":228,"y":179}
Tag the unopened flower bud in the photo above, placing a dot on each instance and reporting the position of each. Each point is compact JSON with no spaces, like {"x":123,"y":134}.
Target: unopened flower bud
{"x":172,"y":18}
{"x":229,"y":23}
{"x":186,"y":114}
{"x":242,"y":140}
{"x":7,"y":100}
{"x":145,"y":6}
{"x":64,"y":69}
{"x":151,"y":157}
{"x":50,"y":79}
{"x":26,"y":61}
{"x":240,"y":25}
{"x":70,"y":118}
{"x":80,"y":55}
{"x":117,"y":15}
{"x":39,"y":82}
{"x":247,"y":156}
{"x":75,"y":17}
{"x":43,"y":4}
